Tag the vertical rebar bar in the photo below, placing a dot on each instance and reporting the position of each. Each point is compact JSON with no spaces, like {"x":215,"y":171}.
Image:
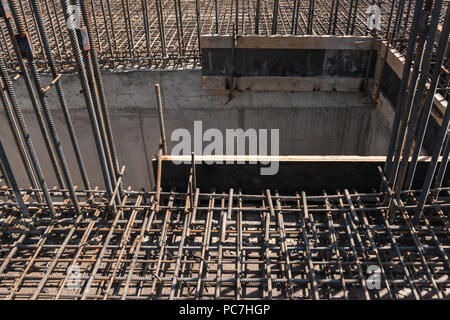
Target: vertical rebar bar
{"x":162,"y":129}
{"x":428,"y":103}
{"x":416,"y":102}
{"x":399,"y":106}
{"x":433,"y":164}
{"x":27,"y":138}
{"x":17,"y":136}
{"x":61,"y":97}
{"x":88,"y":99}
{"x":12,"y":182}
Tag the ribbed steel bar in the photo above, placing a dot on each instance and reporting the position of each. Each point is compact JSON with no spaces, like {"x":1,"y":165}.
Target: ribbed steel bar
{"x":101,"y":91}
{"x":428,"y":103}
{"x":99,"y":99}
{"x":416,"y":100}
{"x":407,"y":108}
{"x":18,"y":138}
{"x":30,"y":88}
{"x":88,"y":99}
{"x":61,"y":96}
{"x":442,"y":167}
{"x":434,"y":161}
{"x":400,"y":104}
{"x":46,"y":110}
{"x":12,"y":181}
{"x":27,"y":138}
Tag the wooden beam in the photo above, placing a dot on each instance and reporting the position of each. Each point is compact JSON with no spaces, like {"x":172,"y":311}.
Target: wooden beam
{"x":339,"y":84}
{"x":438,"y":38}
{"x":216,"y":42}
{"x":440,"y":104}
{"x":287,"y":158}
{"x":394,"y":59}
{"x":289,"y":42}
{"x":295,"y":173}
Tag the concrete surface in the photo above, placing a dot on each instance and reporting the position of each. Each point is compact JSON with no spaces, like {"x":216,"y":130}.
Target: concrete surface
{"x":310,"y":123}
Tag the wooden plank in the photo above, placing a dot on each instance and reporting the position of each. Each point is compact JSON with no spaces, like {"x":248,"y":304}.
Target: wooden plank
{"x":215,"y":41}
{"x":296,"y":173}
{"x":290,"y":42}
{"x":214,"y":82}
{"x":438,"y":37}
{"x":286,"y":158}
{"x":386,"y":108}
{"x":305,"y":42}
{"x":394,"y":59}
{"x":440,"y":104}
{"x":379,"y":67}
{"x":299,"y":84}
{"x":342,"y":84}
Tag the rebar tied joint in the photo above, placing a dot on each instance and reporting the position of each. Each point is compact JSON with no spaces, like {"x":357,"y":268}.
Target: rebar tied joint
{"x":25,"y":45}
{"x":84,"y":38}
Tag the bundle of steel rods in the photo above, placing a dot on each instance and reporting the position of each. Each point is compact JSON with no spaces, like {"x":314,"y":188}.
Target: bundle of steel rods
{"x":415,"y":100}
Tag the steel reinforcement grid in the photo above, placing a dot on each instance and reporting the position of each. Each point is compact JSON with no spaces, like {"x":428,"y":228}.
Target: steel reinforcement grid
{"x":230,"y":245}
{"x":164,"y":33}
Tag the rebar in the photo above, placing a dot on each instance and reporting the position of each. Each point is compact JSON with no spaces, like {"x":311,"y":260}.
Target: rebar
{"x":229,"y":245}
{"x":124,"y":32}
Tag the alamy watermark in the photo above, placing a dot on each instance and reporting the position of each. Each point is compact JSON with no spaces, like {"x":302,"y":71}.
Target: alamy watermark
{"x":374,"y":19}
{"x":233,"y":142}
{"x":374,"y":279}
{"x":74,"y":278}
{"x":74,"y":19}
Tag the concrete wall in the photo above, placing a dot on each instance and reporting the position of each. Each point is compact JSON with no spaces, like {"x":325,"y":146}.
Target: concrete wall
{"x":310,"y":123}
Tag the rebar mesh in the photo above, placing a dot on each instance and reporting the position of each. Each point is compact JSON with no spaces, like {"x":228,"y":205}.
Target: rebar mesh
{"x":231,"y":245}
{"x":128,"y":34}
